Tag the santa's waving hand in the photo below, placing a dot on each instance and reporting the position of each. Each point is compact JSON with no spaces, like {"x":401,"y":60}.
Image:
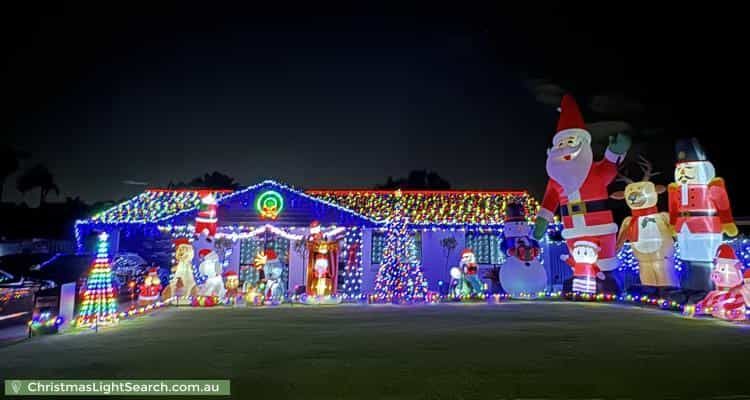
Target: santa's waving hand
{"x":578,"y":185}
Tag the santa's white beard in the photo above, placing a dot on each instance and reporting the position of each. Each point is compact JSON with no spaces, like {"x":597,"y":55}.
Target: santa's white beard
{"x":570,"y":174}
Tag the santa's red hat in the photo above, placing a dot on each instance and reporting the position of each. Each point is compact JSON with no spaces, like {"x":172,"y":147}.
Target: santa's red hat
{"x":467,"y":251}
{"x":270,"y":255}
{"x":204,"y":252}
{"x":315,"y":226}
{"x":593,"y":243}
{"x":230,"y":274}
{"x":180,"y":241}
{"x":153,"y":271}
{"x":726,"y":253}
{"x":571,"y":121}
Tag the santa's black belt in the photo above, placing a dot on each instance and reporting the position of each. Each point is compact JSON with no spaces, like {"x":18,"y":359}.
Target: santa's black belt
{"x":696,"y":213}
{"x":582,"y":207}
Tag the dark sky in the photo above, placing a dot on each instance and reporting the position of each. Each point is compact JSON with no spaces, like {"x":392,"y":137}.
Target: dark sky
{"x":104,"y":96}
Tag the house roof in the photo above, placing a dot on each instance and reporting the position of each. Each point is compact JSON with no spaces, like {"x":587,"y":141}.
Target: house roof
{"x":155,"y":205}
{"x":432,"y":207}
{"x":444,"y":207}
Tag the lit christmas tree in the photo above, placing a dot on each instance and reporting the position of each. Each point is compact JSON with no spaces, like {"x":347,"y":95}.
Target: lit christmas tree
{"x":626,"y":259}
{"x":679,"y":265}
{"x":399,"y":278}
{"x":99,"y":305}
{"x":742,"y":248}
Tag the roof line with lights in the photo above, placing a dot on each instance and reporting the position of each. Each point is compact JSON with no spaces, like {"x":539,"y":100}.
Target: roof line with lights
{"x":422,"y":192}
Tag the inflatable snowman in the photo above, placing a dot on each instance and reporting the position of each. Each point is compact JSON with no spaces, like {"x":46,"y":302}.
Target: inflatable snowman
{"x":522,"y":272}
{"x":209,"y":266}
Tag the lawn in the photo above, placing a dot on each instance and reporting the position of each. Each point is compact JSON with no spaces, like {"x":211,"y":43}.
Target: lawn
{"x":464,"y":351}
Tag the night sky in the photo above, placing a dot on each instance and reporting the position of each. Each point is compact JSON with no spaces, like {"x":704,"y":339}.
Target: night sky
{"x":153,"y":95}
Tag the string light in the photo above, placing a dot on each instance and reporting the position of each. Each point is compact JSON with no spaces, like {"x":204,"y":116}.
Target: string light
{"x":431,"y":207}
{"x":352,"y":268}
{"x":99,"y":305}
{"x":399,"y":279}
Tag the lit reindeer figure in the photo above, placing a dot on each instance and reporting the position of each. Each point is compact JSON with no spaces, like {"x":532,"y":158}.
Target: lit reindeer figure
{"x":647,"y":229}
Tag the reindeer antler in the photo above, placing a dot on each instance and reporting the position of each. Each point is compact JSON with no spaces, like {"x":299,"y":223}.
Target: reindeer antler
{"x":647,"y":168}
{"x":621,"y":177}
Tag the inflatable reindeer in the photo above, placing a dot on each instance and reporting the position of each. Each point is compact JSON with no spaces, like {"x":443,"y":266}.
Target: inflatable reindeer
{"x":648,"y":230}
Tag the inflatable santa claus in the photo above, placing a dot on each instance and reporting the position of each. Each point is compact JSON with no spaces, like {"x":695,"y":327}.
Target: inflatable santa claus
{"x":699,"y":211}
{"x":578,"y":185}
{"x":148,"y":291}
{"x":206,"y":220}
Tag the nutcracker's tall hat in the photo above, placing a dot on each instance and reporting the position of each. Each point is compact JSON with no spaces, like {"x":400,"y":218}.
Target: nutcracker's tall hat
{"x":689,"y":150}
{"x":571,"y":121}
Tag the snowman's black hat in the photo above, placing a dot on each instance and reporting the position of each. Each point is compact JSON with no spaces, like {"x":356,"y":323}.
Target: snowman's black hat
{"x":689,"y":150}
{"x":514,"y":212}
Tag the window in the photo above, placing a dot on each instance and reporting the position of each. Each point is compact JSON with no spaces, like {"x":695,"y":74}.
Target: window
{"x":378,"y":244}
{"x":486,"y":247}
{"x":252,"y":246}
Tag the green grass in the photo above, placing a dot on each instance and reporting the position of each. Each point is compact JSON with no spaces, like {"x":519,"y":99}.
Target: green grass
{"x":450,"y":351}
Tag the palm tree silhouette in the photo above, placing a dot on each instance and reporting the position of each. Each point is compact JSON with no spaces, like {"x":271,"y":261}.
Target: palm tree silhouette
{"x":40,"y":177}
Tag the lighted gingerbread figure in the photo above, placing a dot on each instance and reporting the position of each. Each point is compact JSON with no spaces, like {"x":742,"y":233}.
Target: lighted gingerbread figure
{"x":583,"y":260}
{"x":700,"y":213}
{"x":182,"y":283}
{"x":232,"y":284}
{"x":149,"y":289}
{"x":578,"y":185}
{"x":648,"y":230}
{"x":728,"y":300}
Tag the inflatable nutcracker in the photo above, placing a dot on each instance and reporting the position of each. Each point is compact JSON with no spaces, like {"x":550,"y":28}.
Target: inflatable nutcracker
{"x":583,"y":260}
{"x":699,"y":212}
{"x":470,"y":272}
{"x":578,"y":185}
{"x":648,"y":230}
{"x":727,"y":301}
{"x":148,"y":291}
{"x":206,"y":221}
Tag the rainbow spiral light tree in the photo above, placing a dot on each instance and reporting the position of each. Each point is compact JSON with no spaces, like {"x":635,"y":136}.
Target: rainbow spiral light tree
{"x":99,"y":305}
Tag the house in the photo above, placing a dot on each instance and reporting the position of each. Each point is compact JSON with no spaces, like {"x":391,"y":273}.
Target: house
{"x":271,"y":215}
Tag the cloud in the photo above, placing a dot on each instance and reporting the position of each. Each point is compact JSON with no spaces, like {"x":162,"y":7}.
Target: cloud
{"x":615,"y":104}
{"x":546,"y":92}
{"x":136,"y":183}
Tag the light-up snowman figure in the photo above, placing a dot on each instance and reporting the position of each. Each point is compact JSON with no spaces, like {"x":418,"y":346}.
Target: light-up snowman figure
{"x":522,"y":272}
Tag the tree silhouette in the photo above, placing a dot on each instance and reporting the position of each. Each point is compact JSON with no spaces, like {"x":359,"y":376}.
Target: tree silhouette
{"x":40,"y":177}
{"x":417,"y":180}
{"x":10,"y":161}
{"x":214,"y":180}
